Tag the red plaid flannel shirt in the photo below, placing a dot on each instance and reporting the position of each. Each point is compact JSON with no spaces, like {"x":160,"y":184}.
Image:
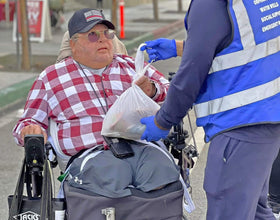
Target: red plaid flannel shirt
{"x":62,"y":93}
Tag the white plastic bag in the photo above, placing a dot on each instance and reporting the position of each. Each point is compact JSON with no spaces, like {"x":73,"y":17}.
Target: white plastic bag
{"x":123,"y":118}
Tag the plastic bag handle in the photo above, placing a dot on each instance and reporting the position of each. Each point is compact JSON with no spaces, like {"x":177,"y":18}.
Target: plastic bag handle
{"x":139,"y":63}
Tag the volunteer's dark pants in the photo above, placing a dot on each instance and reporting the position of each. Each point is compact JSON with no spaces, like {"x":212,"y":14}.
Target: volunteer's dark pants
{"x":274,"y":182}
{"x":237,"y":176}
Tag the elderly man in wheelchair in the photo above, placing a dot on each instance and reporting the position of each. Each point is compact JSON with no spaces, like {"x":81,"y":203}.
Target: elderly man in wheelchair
{"x":67,"y":105}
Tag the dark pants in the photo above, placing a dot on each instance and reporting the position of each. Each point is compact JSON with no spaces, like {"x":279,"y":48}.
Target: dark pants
{"x":274,"y":182}
{"x":237,"y":176}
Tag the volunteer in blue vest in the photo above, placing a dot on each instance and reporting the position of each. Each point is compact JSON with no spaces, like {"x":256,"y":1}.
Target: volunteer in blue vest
{"x":230,"y":73}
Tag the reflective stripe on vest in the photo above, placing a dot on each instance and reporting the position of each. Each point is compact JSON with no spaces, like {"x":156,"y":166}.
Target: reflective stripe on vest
{"x":238,"y":99}
{"x":242,"y":57}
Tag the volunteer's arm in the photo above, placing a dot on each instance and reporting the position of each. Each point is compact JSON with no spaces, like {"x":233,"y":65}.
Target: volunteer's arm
{"x":209,"y":31}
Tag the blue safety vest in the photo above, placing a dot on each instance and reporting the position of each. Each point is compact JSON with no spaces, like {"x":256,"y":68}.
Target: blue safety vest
{"x":243,"y":85}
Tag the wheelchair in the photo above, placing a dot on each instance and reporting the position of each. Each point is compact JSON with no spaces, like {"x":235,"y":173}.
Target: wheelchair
{"x":37,"y":154}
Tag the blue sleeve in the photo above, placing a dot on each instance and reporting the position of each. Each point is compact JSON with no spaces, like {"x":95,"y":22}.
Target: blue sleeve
{"x":209,"y":31}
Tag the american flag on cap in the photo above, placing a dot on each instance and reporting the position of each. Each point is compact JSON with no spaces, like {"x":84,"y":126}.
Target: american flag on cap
{"x":92,"y":15}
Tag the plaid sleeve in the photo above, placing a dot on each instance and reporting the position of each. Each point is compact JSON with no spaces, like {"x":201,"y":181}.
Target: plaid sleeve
{"x":35,"y":110}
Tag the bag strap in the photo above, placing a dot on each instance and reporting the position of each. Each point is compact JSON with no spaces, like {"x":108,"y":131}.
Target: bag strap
{"x":72,"y":158}
{"x":18,"y":194}
{"x":46,"y":198}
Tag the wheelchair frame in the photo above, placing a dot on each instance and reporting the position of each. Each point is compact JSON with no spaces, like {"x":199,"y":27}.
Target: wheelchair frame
{"x":36,"y":153}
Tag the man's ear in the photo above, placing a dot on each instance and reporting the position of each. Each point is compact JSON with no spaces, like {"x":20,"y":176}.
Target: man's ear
{"x":71,"y":43}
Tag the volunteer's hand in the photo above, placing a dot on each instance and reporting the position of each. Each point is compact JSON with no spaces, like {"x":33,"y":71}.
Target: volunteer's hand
{"x":33,"y":129}
{"x":146,"y":85}
{"x":152,"y":132}
{"x":160,"y":49}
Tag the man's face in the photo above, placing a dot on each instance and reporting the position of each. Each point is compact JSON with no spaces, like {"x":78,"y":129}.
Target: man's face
{"x":96,"y":54}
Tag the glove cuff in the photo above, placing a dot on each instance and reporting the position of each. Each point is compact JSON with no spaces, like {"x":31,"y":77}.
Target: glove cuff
{"x":174,"y":47}
{"x":159,"y":126}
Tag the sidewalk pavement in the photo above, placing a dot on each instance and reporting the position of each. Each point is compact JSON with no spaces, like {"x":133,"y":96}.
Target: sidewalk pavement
{"x":139,"y":27}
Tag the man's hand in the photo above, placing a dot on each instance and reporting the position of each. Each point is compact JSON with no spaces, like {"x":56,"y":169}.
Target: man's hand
{"x":146,"y":85}
{"x":33,"y":129}
{"x":160,"y":49}
{"x":152,"y":131}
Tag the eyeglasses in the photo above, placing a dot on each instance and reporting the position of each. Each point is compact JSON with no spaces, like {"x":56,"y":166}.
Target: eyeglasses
{"x":95,"y":35}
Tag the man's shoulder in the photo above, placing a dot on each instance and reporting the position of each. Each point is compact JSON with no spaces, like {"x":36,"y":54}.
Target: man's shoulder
{"x":63,"y":66}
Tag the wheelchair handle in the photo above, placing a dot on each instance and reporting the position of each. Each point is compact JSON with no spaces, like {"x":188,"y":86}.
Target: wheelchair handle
{"x":35,"y":154}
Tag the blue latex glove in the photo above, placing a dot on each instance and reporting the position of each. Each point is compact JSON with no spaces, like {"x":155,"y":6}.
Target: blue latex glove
{"x":160,"y":49}
{"x":152,"y":132}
